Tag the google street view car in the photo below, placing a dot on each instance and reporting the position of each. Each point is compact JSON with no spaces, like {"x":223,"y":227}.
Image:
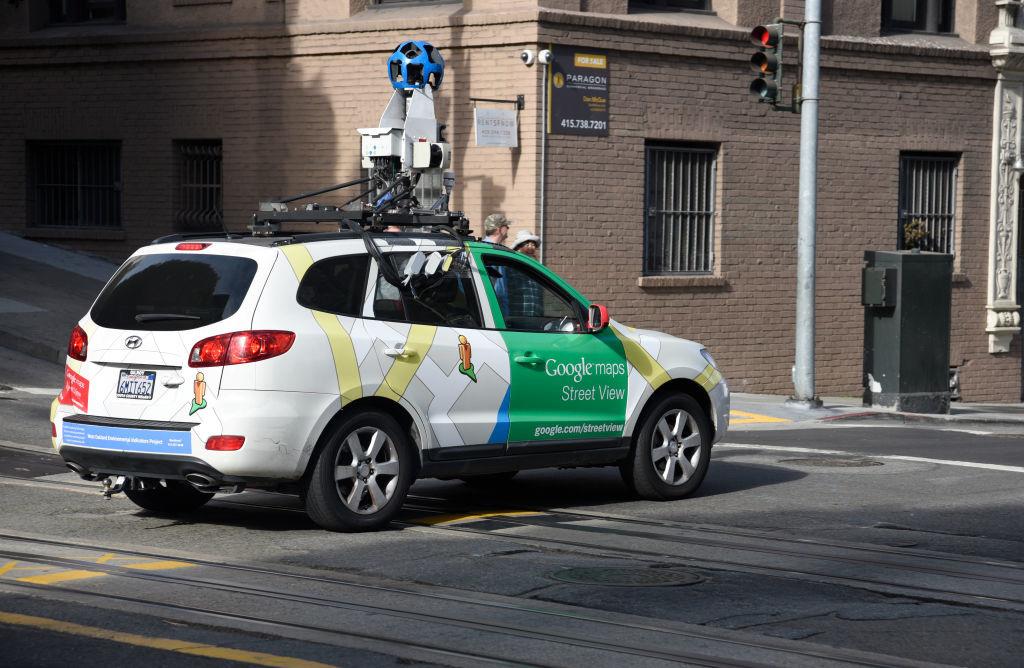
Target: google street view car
{"x":344,"y":365}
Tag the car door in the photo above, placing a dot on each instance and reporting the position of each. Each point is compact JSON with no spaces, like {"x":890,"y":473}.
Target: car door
{"x":568,"y":384}
{"x":437,"y":359}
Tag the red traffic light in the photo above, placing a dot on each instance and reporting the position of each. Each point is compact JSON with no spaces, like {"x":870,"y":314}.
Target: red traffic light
{"x":766,"y":37}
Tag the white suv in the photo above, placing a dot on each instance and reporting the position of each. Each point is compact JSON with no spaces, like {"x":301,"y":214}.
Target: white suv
{"x":296,"y":363}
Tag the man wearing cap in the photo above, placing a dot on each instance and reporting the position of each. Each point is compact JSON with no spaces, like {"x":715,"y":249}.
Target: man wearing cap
{"x":495,"y":232}
{"x":495,"y":228}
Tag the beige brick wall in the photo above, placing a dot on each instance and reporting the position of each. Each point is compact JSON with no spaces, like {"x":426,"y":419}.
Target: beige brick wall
{"x":286,"y":100}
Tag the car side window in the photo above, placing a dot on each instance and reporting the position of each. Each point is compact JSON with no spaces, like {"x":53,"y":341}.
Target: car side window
{"x":449,"y":301}
{"x":528,"y":301}
{"x":335,"y":285}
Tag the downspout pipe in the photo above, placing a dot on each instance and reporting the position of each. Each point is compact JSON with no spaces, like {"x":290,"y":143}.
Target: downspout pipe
{"x":543,"y":160}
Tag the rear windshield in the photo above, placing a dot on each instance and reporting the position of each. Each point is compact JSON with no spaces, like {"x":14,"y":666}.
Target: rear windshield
{"x":174,"y":292}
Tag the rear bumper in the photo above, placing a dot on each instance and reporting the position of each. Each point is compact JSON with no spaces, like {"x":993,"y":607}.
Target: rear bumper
{"x":280,"y":430}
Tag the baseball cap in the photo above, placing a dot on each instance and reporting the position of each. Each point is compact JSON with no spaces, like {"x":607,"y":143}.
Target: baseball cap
{"x":494,"y":221}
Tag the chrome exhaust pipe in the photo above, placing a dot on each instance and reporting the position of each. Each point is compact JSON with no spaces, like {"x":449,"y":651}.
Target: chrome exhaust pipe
{"x":202,"y":482}
{"x":82,"y":472}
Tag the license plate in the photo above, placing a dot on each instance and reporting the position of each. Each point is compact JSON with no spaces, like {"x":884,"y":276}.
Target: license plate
{"x":136,"y":384}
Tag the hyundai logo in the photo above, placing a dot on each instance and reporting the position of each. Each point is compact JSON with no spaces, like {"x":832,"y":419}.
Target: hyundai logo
{"x":133,"y":342}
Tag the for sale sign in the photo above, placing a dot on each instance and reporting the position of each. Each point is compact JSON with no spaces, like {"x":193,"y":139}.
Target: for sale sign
{"x":578,"y":92}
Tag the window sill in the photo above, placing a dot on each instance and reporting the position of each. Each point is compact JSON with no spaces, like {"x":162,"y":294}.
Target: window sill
{"x":682,"y":282}
{"x":961,"y":279}
{"x":103,"y":234}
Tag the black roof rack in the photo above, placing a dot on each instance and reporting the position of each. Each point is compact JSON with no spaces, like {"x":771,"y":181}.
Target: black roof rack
{"x":273,"y":222}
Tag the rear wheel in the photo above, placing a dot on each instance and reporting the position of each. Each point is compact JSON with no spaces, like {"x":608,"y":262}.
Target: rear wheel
{"x":165,"y":496}
{"x":671,"y":453}
{"x":362,"y":475}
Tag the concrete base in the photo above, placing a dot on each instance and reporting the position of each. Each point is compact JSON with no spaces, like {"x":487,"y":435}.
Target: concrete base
{"x":793,"y":402}
{"x":910,"y":402}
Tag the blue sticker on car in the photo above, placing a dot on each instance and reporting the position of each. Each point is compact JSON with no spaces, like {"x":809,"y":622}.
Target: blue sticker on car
{"x":132,"y":440}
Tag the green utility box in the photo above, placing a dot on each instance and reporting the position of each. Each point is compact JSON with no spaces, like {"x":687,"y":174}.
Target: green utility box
{"x":906,"y":297}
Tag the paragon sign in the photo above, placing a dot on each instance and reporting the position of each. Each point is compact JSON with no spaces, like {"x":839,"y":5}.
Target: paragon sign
{"x":578,"y":90}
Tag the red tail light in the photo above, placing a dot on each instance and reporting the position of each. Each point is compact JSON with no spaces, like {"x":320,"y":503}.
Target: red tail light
{"x":240,"y":348}
{"x":192,"y":246}
{"x":225,"y":442}
{"x":53,"y":429}
{"x":78,"y":344}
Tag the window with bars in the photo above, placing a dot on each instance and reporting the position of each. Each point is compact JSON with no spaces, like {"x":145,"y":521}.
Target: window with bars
{"x":933,"y":16}
{"x":927,"y":216}
{"x":679,"y":220}
{"x":63,"y":12}
{"x":74,"y":184}
{"x":199,"y":196}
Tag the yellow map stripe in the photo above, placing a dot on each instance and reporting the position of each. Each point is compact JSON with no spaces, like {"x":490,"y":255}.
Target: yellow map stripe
{"x":642,"y":361}
{"x":344,"y":352}
{"x":708,"y":378}
{"x":417,"y":344}
{"x":167,"y":644}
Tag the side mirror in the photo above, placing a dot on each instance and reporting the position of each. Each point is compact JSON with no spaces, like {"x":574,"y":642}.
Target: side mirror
{"x":597,"y":317}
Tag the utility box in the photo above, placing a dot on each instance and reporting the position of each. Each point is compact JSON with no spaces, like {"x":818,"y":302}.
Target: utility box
{"x":906,"y":297}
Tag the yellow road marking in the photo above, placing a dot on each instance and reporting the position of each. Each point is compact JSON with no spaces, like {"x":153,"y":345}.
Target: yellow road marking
{"x":168,"y":644}
{"x":8,"y":566}
{"x":448,"y":519}
{"x":743,"y":417}
{"x":106,"y":557}
{"x":158,"y":565}
{"x":60,"y":576}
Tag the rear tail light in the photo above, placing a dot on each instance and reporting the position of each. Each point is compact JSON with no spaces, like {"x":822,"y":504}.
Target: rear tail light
{"x":53,"y":429}
{"x":225,"y":442}
{"x":78,"y":344}
{"x":191,"y":246}
{"x":240,"y":348}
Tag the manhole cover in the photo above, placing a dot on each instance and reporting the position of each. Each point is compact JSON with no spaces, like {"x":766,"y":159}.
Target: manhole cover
{"x":837,"y":462}
{"x":626,"y":577}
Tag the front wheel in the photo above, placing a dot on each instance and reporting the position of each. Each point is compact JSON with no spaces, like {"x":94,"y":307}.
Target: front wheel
{"x":168,"y":497}
{"x":671,"y":453}
{"x":362,"y":475}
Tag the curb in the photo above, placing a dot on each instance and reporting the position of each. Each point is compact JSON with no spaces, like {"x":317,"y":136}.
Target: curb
{"x":33,"y":348}
{"x":923,"y":418}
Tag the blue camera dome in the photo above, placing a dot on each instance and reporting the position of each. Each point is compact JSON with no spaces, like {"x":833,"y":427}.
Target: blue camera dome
{"x":414,"y":64}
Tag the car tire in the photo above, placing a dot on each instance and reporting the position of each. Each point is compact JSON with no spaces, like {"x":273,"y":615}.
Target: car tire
{"x":166,"y":497}
{"x":488,"y":479}
{"x":362,"y":474}
{"x":671,"y":452}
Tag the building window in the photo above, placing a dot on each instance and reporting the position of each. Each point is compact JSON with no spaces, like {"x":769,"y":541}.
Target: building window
{"x":63,"y":12}
{"x":933,"y":16}
{"x":679,"y":220}
{"x":199,"y":197}
{"x":74,"y":184}
{"x":669,"y":5}
{"x":927,"y":217}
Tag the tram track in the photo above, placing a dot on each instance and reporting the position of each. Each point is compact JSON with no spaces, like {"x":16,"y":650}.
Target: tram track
{"x":611,"y":636}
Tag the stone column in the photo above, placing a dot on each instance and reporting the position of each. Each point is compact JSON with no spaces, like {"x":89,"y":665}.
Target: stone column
{"x":1006,"y":46}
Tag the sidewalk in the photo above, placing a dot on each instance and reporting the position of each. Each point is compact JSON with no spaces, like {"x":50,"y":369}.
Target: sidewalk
{"x":765,"y":411}
{"x":44,"y":291}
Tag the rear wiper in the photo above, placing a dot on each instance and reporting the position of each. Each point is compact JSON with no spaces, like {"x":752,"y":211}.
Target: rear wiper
{"x":152,"y":317}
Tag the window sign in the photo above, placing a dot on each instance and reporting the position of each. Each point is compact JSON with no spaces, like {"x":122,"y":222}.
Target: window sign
{"x":497,"y":127}
{"x":578,"y":92}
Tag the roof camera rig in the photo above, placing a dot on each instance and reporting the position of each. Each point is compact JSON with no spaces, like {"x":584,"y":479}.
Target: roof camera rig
{"x":407,"y":143}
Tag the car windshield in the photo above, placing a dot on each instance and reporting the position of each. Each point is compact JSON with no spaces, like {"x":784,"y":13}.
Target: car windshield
{"x":171,"y":292}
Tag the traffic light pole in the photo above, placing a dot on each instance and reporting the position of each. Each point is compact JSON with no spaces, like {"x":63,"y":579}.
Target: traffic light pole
{"x":803,"y":370}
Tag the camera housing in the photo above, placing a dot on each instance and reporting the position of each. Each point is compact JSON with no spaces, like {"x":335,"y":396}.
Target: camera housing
{"x":527,"y":57}
{"x":544,"y":57}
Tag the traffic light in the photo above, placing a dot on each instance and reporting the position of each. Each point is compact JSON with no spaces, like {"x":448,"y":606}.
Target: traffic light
{"x":766,"y":63}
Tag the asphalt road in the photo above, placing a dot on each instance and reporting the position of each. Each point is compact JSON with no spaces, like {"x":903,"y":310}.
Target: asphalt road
{"x":833,"y":545}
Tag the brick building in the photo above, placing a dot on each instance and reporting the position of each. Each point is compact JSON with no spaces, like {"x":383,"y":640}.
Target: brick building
{"x":127,"y":119}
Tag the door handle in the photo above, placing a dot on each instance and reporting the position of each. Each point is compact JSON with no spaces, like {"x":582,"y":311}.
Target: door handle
{"x":528,"y":358}
{"x":400,"y":353}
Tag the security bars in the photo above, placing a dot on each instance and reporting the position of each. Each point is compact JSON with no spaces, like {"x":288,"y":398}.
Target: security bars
{"x":927,"y":215}
{"x":680,"y":210}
